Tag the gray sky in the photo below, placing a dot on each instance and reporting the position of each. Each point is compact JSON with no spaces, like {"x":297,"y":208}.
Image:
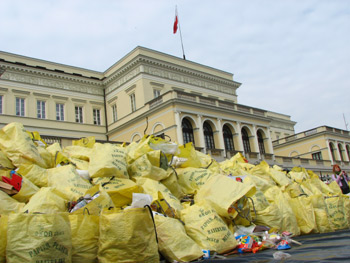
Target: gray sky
{"x":291,"y":56}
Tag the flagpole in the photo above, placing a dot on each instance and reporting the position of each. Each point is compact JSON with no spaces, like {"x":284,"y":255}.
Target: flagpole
{"x":182,"y":45}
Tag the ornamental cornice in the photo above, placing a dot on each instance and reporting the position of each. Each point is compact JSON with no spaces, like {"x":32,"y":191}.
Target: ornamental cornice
{"x":170,"y":71}
{"x":53,"y":80}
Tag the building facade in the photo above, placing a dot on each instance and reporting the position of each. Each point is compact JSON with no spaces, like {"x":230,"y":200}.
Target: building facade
{"x":319,"y":148}
{"x":145,"y":92}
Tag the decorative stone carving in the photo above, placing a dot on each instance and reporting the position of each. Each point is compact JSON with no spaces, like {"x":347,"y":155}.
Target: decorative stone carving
{"x":51,"y":83}
{"x":123,"y":80}
{"x":189,"y":80}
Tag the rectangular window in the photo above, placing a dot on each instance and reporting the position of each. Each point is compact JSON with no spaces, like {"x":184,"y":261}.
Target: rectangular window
{"x":114,"y":110}
{"x":78,"y":114}
{"x":40,"y":108}
{"x":156,"y":93}
{"x":1,"y":99}
{"x":97,"y":116}
{"x":133,"y":102}
{"x":317,"y":156}
{"x":20,"y":107}
{"x":59,"y":112}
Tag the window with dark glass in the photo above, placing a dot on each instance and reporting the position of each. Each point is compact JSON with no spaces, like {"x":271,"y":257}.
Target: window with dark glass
{"x":133,"y":102}
{"x":261,"y":142}
{"x":20,"y":109}
{"x":348,"y":151}
{"x":78,"y":114}
{"x":317,"y":156}
{"x":97,"y":116}
{"x":40,"y":109}
{"x":187,"y":131}
{"x":245,"y":140}
{"x":208,"y":136}
{"x":331,"y":147}
{"x":228,"y":141}
{"x":114,"y":112}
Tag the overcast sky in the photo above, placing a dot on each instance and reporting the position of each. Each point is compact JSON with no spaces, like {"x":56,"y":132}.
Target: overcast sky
{"x":291,"y":56}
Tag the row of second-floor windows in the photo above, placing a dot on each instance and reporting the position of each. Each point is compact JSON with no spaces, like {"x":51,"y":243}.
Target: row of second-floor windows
{"x":41,"y":112}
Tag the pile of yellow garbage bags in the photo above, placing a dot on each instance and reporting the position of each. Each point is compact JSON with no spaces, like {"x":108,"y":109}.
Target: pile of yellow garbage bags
{"x":77,"y":204}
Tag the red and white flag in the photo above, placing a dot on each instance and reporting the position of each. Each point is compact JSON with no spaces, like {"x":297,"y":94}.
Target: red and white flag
{"x":176,"y":22}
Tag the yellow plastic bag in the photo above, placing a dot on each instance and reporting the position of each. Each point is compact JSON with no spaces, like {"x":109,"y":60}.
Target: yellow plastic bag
{"x":335,"y":188}
{"x":79,"y":164}
{"x":28,"y":189}
{"x":148,"y":165}
{"x":270,"y":216}
{"x":298,"y":175}
{"x":5,"y":163}
{"x":108,"y":160}
{"x":3,"y":238}
{"x":46,"y":156}
{"x":346,"y":200}
{"x":87,"y":142}
{"x":191,"y":179}
{"x":173,"y":242}
{"x":101,"y":200}
{"x":304,"y":213}
{"x":321,"y":213}
{"x":18,"y":146}
{"x":294,"y":190}
{"x":8,"y":204}
{"x":279,"y":176}
{"x":171,"y":182}
{"x":127,"y":236}
{"x":260,"y":183}
{"x":136,"y":150}
{"x":289,"y":221}
{"x":46,"y":200}
{"x":337,"y":216}
{"x":120,"y":190}
{"x":153,"y":188}
{"x":221,"y":192}
{"x":262,"y":170}
{"x":34,"y":173}
{"x":85,"y":234}
{"x":36,"y":138}
{"x":36,"y":238}
{"x":207,"y":229}
{"x":189,"y":152}
{"x":67,"y":182}
{"x":260,"y":201}
{"x":78,"y":152}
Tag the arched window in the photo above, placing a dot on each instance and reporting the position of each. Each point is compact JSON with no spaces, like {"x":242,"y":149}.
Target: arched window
{"x":187,"y":131}
{"x":261,"y":142}
{"x":331,"y":147}
{"x":208,"y":136}
{"x":348,"y":151}
{"x":229,"y":146}
{"x":340,"y":149}
{"x":245,"y":139}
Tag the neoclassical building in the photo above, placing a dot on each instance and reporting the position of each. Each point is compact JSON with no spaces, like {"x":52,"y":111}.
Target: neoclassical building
{"x":145,"y":92}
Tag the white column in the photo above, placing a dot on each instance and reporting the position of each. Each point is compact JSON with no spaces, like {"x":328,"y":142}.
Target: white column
{"x":256,"y":143}
{"x":201,"y":134}
{"x":346,"y":157}
{"x":221,"y":138}
{"x":179,"y":134}
{"x":330,"y":152}
{"x":269,"y":141}
{"x":240,"y":142}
